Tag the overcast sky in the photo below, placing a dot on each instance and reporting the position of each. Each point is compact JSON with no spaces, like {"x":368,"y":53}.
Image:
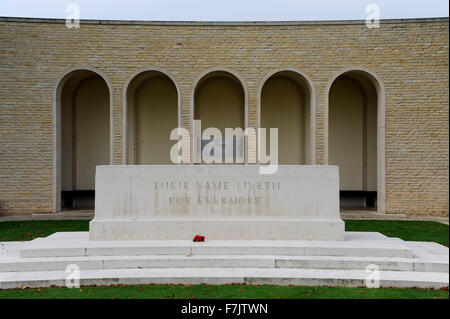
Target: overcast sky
{"x":225,"y":10}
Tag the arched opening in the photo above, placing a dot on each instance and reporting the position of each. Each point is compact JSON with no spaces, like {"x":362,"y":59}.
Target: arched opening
{"x":285,"y":103}
{"x":353,"y":130}
{"x":219,"y":102}
{"x":152,"y":113}
{"x":84,"y":106}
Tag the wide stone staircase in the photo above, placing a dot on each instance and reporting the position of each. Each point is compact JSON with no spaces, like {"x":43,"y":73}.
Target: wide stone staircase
{"x":363,"y":258}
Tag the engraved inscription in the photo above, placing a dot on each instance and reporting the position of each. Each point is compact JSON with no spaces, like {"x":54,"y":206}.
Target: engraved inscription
{"x":215,"y":193}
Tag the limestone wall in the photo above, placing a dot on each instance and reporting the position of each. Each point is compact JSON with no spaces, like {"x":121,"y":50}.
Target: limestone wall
{"x":409,"y":57}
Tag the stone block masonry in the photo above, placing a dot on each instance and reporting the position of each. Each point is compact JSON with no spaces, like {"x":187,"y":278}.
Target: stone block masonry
{"x":410,"y":57}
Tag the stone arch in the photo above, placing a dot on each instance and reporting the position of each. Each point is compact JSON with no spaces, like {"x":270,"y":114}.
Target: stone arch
{"x":207,"y":75}
{"x":306,"y":81}
{"x":60,"y":83}
{"x":141,"y":75}
{"x":359,"y":73}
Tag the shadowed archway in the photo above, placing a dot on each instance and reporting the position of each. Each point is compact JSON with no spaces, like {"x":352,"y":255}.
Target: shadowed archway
{"x":152,"y":112}
{"x":285,"y":102}
{"x":82,"y":135}
{"x":355,"y":122}
{"x":219,"y":101}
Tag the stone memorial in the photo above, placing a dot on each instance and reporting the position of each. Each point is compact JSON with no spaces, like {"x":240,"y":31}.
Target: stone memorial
{"x":226,"y":202}
{"x":279,"y":229}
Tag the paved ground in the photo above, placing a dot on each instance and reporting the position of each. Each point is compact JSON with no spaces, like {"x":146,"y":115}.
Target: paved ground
{"x":43,"y":262}
{"x":346,"y":214}
{"x":69,"y":214}
{"x":354,"y":214}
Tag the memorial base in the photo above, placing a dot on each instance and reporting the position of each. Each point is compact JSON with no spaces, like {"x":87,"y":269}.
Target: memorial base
{"x":43,"y":262}
{"x":218,"y":229}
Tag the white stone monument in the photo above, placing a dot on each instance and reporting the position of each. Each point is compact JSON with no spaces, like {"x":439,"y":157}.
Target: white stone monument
{"x":280,"y":229}
{"x":226,"y":202}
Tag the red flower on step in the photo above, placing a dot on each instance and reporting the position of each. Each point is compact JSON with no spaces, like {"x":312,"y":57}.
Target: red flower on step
{"x":198,"y":238}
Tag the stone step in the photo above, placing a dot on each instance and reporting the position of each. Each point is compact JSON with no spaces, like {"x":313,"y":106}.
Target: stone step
{"x":216,"y":276}
{"x":76,"y":244}
{"x":42,"y":262}
{"x":16,"y":264}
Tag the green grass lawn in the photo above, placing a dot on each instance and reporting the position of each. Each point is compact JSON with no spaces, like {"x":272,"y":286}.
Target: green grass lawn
{"x":407,"y":230}
{"x":224,"y":292}
{"x":28,"y":230}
